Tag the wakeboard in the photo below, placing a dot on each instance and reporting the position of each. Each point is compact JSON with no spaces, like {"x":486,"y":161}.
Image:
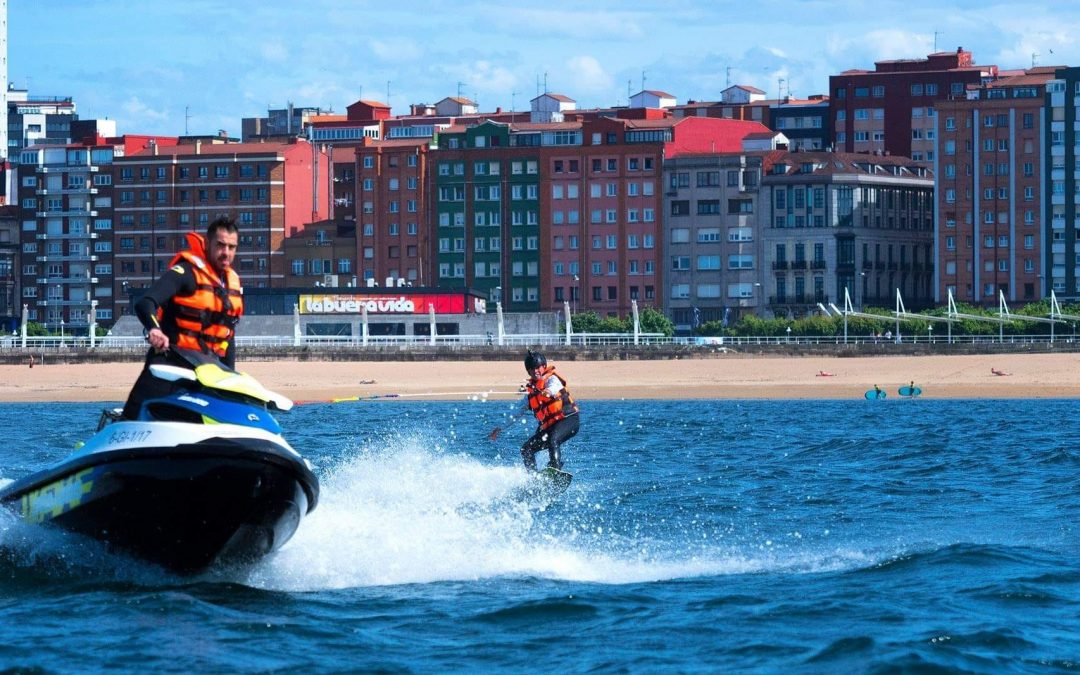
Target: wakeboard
{"x":545,"y":484}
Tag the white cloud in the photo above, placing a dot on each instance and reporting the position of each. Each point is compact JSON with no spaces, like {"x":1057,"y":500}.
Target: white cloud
{"x":137,"y":112}
{"x":397,"y":50}
{"x":585,"y":75}
{"x":274,"y":52}
{"x":579,"y":25}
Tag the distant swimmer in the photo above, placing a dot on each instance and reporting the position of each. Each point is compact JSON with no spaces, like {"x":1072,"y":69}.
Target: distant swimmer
{"x":1001,"y":373}
{"x":825,"y":373}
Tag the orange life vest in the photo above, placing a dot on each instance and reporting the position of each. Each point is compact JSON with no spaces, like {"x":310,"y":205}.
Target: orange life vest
{"x":206,"y":319}
{"x":549,"y":410}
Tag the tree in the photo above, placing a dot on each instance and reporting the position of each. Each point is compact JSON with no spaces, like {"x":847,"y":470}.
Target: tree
{"x":654,"y":321}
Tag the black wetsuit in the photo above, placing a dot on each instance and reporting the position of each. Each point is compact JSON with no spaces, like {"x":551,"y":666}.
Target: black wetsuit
{"x":550,"y":439}
{"x":173,"y":282}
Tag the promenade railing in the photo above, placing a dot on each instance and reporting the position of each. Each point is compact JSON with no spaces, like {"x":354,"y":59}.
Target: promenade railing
{"x":137,"y":345}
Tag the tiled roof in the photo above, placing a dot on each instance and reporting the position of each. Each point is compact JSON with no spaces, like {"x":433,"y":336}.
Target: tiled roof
{"x":747,"y":87}
{"x":557,"y":97}
{"x":850,"y":162}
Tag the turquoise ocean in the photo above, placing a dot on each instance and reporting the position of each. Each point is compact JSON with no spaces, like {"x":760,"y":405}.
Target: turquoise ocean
{"x":807,"y":536}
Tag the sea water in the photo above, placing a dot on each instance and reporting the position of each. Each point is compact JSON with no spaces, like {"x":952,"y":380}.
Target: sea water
{"x":817,"y":536}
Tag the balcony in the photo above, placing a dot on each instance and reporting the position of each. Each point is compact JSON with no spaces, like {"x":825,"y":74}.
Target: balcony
{"x":77,"y":213}
{"x":66,"y":258}
{"x":69,"y":190}
{"x":61,"y":168}
{"x":55,"y":302}
{"x":67,"y":280}
{"x":818,"y":264}
{"x":67,"y":235}
{"x":798,"y":264}
{"x":780,"y":265}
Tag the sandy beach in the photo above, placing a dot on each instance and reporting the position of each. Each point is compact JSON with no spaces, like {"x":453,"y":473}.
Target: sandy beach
{"x":727,"y":376}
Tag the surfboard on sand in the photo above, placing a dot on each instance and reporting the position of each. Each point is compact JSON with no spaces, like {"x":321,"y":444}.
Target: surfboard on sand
{"x":875,"y":394}
{"x":910,"y":392}
{"x":546,"y":483}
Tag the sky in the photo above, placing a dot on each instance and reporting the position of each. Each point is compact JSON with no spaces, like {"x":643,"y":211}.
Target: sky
{"x":171,"y":67}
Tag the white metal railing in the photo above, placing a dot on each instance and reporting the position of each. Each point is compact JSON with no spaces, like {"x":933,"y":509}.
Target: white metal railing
{"x":137,"y":345}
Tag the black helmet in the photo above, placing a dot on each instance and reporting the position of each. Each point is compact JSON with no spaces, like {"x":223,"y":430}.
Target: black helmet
{"x":534,"y":360}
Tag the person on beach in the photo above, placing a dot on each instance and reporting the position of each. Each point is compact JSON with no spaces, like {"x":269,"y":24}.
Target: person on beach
{"x":548,"y":399}
{"x":195,"y":305}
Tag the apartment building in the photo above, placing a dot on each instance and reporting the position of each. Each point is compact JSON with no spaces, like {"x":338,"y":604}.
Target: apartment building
{"x":10,"y":301}
{"x":805,"y":122}
{"x":393,"y":213}
{"x":538,"y":215}
{"x":323,"y":254}
{"x":1061,"y":144}
{"x":712,"y":237}
{"x":841,"y":221}
{"x":991,"y":215}
{"x":891,"y":109}
{"x":273,"y":190}
{"x":65,"y":195}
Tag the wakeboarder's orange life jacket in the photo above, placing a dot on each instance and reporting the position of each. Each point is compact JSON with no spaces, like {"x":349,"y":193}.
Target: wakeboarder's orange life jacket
{"x":549,"y":410}
{"x":206,"y":319}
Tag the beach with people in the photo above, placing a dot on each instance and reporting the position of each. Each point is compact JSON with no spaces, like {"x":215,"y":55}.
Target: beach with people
{"x":720,"y":376}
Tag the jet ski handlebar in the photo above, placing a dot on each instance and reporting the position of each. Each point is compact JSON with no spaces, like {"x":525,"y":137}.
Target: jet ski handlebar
{"x":212,"y":374}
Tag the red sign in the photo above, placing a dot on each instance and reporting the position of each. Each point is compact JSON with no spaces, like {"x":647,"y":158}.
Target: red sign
{"x":390,"y":303}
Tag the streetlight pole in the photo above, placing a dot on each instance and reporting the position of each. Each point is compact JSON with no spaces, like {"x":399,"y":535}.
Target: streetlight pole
{"x":576,"y":291}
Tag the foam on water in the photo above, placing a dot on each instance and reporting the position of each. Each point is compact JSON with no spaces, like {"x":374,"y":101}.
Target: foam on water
{"x":406,"y":514}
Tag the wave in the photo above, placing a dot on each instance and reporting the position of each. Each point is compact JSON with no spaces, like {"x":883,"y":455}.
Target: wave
{"x":406,"y":514}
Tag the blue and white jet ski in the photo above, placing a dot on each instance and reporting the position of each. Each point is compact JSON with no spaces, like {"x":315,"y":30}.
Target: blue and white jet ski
{"x":202,"y":479}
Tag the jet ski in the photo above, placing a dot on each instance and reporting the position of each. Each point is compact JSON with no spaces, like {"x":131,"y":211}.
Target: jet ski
{"x":202,"y":479}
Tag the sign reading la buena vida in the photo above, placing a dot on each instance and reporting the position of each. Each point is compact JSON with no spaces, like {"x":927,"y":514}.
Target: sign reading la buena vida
{"x":392,"y":303}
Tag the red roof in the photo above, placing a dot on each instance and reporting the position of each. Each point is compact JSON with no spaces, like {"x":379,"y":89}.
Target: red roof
{"x":223,"y":149}
{"x":557,"y":97}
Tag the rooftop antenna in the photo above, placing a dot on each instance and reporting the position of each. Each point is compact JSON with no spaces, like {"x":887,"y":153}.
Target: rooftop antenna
{"x":513,"y":98}
{"x":187,"y":116}
{"x":628,"y":92}
{"x":1034,"y":59}
{"x":727,"y":80}
{"x":936,"y":34}
{"x":459,"y":86}
{"x":545,"y":83}
{"x":779,"y":88}
{"x":643,"y":80}
{"x":538,"y":84}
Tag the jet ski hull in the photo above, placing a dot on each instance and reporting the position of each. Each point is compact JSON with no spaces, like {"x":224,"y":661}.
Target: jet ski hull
{"x":222,"y":495}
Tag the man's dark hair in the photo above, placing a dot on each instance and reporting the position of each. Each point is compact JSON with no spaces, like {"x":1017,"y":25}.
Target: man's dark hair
{"x":222,"y":223}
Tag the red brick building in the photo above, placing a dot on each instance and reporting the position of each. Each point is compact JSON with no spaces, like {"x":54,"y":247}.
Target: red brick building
{"x":393,"y":215}
{"x":991,"y":223}
{"x":273,"y":190}
{"x":891,"y":109}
